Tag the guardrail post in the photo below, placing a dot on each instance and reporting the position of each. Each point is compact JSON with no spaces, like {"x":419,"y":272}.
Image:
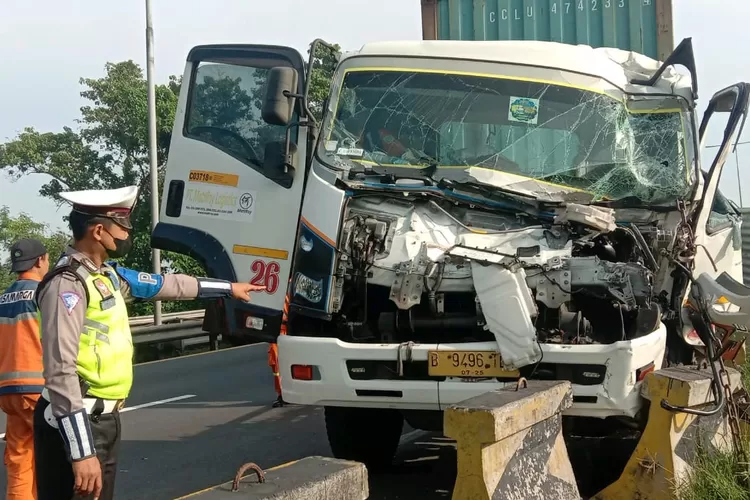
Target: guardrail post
{"x":509,"y":444}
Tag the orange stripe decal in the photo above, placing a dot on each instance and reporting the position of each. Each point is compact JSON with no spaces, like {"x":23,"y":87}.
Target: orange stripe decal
{"x":318,"y":232}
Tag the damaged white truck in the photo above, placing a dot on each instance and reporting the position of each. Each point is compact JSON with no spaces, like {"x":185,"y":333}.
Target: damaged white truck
{"x":466,"y":213}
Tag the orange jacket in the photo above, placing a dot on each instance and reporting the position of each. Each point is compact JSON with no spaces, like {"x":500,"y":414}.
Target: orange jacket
{"x":20,"y":345}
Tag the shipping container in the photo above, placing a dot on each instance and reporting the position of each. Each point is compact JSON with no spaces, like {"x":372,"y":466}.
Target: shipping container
{"x":643,"y":26}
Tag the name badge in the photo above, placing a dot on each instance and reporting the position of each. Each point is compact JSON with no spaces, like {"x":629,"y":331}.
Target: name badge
{"x":108,"y":303}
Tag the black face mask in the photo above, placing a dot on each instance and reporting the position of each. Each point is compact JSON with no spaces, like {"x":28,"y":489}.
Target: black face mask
{"x":122,"y":247}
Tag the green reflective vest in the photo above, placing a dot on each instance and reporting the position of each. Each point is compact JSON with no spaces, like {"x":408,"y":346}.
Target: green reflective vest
{"x":105,"y":349}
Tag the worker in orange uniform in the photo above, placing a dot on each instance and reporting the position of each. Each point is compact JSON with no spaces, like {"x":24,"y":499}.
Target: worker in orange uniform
{"x":21,"y":379}
{"x":273,"y":355}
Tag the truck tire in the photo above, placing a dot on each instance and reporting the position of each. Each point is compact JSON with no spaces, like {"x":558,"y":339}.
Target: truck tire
{"x":367,"y":435}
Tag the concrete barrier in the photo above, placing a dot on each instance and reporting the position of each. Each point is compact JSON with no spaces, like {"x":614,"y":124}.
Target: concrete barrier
{"x":662,"y":459}
{"x":312,"y":478}
{"x":509,"y":444}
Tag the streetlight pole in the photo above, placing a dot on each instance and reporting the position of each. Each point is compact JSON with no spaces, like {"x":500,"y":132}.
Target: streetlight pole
{"x":156,"y":256}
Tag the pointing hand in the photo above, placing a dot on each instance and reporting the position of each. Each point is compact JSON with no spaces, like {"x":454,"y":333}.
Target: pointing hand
{"x":242,"y":291}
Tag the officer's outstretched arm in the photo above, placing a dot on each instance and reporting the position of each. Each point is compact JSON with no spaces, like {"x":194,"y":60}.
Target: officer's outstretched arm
{"x":62,"y":304}
{"x":147,"y":286}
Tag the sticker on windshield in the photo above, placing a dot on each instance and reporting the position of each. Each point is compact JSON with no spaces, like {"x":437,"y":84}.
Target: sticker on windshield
{"x":358,"y":152}
{"x":331,"y":146}
{"x":523,"y":109}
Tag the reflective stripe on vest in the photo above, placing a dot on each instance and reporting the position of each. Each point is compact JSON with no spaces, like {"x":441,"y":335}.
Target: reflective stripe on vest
{"x":20,"y":346}
{"x":105,"y":350}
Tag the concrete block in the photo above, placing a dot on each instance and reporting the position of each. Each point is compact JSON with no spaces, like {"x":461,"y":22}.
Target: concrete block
{"x":663,"y":458}
{"x":312,"y":478}
{"x":509,"y":444}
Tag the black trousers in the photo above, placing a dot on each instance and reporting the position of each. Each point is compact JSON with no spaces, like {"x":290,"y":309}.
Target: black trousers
{"x":54,"y":472}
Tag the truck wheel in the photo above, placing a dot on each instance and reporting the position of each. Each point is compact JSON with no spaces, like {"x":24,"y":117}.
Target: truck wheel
{"x":367,"y":435}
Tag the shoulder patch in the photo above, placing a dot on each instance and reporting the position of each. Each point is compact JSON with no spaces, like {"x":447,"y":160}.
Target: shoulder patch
{"x":70,"y":300}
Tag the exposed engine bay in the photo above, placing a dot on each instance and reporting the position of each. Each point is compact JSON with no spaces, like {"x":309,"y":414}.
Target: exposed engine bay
{"x":438,"y":271}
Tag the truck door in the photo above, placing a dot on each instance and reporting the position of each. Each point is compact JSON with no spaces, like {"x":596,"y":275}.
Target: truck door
{"x":717,"y":225}
{"x":235,"y":175}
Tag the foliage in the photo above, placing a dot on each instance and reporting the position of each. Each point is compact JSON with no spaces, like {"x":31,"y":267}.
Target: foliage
{"x":109,"y":148}
{"x":714,"y":477}
{"x":324,"y":64}
{"x":719,"y":475}
{"x":13,"y":229}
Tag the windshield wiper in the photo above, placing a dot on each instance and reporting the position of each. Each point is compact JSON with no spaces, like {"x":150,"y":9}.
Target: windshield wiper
{"x":390,"y":174}
{"x":489,"y":189}
{"x":518,"y":201}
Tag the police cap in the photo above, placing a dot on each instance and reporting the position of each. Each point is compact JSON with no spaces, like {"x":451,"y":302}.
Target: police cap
{"x":113,"y":204}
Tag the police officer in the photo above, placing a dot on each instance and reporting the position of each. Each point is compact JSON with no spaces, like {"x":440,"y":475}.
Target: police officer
{"x":87,"y":346}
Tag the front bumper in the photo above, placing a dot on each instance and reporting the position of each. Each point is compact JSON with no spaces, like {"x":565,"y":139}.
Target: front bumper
{"x":336,"y":381}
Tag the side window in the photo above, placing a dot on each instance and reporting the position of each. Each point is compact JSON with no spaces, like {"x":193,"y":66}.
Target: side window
{"x":224,"y":110}
{"x":722,"y":214}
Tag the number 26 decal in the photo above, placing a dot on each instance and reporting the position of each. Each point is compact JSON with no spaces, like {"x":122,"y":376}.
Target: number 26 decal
{"x":266,"y":275}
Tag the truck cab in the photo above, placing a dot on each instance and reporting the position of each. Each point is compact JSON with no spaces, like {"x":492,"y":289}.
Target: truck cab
{"x":465,"y":213}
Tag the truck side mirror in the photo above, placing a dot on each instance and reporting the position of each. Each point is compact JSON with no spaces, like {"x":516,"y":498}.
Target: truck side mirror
{"x":281,"y":91}
{"x":278,"y":162}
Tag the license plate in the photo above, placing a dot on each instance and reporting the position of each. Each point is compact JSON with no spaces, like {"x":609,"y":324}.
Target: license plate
{"x":467,"y":364}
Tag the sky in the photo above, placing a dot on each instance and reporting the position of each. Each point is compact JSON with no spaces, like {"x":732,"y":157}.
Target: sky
{"x":47,"y":45}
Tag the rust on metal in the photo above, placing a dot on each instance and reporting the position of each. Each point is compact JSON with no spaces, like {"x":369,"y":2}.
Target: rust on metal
{"x":523,"y":381}
{"x":250,"y":465}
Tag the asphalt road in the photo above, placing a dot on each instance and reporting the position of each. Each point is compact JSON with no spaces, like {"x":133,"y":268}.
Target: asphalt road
{"x":192,"y":421}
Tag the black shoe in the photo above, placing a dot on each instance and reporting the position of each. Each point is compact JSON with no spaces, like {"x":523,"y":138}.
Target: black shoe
{"x":279,"y":402}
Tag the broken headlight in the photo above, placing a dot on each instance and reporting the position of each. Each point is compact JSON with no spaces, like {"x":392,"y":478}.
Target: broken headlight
{"x":308,"y":288}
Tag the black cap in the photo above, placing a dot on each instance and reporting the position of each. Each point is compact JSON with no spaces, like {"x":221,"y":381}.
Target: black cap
{"x":23,"y":254}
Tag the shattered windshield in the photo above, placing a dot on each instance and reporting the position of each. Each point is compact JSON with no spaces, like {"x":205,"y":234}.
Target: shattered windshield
{"x":535,"y":138}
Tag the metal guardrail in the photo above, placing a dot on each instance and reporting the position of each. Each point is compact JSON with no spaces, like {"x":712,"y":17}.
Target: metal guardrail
{"x":175,"y":326}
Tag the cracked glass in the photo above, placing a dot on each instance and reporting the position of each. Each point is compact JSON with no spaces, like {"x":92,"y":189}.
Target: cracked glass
{"x":535,"y":138}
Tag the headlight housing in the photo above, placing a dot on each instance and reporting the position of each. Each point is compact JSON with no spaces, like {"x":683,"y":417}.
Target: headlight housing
{"x":308,"y":288}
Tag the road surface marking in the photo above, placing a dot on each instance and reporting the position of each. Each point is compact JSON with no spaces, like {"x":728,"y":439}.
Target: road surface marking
{"x":145,"y":405}
{"x":155,"y":403}
{"x":201,"y":353}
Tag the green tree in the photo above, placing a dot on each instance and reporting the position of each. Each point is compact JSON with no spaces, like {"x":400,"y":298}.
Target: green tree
{"x":13,"y":229}
{"x":324,"y":63}
{"x":109,"y":150}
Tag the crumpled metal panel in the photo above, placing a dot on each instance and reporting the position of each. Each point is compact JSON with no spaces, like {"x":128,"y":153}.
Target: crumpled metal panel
{"x":508,"y":308}
{"x":643,"y":26}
